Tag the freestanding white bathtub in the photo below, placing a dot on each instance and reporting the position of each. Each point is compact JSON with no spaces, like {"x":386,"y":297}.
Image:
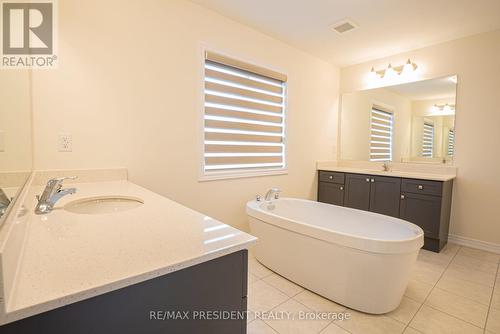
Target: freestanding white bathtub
{"x":360,"y":259}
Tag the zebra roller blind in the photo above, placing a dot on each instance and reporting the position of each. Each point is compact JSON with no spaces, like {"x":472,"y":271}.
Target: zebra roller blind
{"x":244,"y":120}
{"x":451,"y":142}
{"x":381,"y":135}
{"x":428,"y":140}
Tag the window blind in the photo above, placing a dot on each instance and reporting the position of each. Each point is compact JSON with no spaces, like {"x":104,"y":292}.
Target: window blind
{"x":428,"y":140}
{"x":381,"y":135}
{"x":244,"y":120}
{"x":451,"y":142}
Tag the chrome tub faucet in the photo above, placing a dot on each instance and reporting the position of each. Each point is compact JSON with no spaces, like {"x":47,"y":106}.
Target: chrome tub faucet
{"x":273,"y":193}
{"x":53,"y":192}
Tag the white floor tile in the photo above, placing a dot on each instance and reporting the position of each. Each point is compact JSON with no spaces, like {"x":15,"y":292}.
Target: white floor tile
{"x":406,"y":310}
{"x":318,"y":303}
{"x":493,"y":324}
{"x":459,"y":307}
{"x":495,"y":300}
{"x":257,"y":269}
{"x":432,"y":321}
{"x":262,"y":297}
{"x":472,"y":275}
{"x":297,"y":324}
{"x":252,"y":278}
{"x":362,"y":323}
{"x":418,"y":290}
{"x":473,"y":263}
{"x":477,"y":292}
{"x":479,"y":254}
{"x":287,"y":287}
{"x":259,"y":327}
{"x":334,"y":329}
{"x":427,"y":272}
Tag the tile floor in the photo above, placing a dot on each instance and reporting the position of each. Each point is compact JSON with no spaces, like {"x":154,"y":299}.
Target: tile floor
{"x":455,"y":291}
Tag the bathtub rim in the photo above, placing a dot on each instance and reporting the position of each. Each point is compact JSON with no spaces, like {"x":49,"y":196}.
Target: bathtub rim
{"x":367,"y":244}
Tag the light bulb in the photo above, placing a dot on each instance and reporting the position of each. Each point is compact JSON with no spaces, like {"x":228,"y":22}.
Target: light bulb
{"x":407,"y":68}
{"x":390,"y":73}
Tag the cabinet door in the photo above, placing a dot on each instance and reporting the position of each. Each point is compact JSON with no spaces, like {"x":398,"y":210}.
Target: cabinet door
{"x":385,"y":194}
{"x":357,"y":191}
{"x":331,"y":193}
{"x":422,"y":210}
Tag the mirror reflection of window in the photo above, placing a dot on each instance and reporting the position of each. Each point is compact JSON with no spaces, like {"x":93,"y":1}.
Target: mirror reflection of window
{"x":428,"y":140}
{"x":451,"y":142}
{"x":381,"y":135}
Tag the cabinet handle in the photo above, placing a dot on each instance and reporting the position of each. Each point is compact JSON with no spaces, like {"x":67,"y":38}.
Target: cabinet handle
{"x":420,"y":187}
{"x":402,"y":196}
{"x":330,"y":177}
{"x":367,"y":180}
{"x":372,"y":180}
{"x":341,"y":188}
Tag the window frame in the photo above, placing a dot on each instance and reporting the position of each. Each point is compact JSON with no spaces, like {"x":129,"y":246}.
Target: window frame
{"x":240,"y":173}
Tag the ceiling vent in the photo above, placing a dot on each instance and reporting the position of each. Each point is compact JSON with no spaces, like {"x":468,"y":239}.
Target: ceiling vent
{"x":344,"y":26}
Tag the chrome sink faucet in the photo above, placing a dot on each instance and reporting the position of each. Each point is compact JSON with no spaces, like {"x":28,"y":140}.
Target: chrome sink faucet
{"x":272,"y":193}
{"x":386,"y":167}
{"x":4,"y":202}
{"x":52,"y":194}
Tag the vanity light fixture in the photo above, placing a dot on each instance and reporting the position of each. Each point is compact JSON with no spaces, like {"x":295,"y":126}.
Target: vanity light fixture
{"x":444,"y":107}
{"x":409,"y":66}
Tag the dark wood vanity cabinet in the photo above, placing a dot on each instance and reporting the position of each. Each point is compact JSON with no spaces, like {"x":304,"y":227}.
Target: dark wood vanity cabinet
{"x":357,"y":191}
{"x":422,"y":202}
{"x":428,"y":205}
{"x":210,"y":297}
{"x":373,"y":193}
{"x":331,"y":188}
{"x":385,"y":194}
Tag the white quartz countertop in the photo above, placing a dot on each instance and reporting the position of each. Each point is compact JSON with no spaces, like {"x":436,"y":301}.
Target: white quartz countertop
{"x":69,"y":257}
{"x":393,"y":173}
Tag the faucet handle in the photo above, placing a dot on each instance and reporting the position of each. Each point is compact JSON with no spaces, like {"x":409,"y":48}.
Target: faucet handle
{"x":59,"y":180}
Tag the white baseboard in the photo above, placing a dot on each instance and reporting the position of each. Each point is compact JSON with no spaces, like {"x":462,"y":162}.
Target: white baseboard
{"x":474,"y":243}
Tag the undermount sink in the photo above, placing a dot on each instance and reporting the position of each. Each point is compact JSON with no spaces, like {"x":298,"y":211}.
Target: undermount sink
{"x":103,"y":204}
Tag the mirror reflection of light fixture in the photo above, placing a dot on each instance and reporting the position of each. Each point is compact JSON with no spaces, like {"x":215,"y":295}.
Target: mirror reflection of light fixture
{"x":408,"y":67}
{"x":444,"y":107}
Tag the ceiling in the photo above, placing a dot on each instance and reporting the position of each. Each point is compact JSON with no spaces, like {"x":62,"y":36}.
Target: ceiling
{"x":386,"y":27}
{"x":427,"y":89}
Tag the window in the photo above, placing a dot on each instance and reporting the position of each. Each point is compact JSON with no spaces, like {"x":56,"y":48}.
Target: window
{"x":428,"y":140}
{"x":381,"y":135}
{"x":451,"y":142}
{"x":244,"y":118}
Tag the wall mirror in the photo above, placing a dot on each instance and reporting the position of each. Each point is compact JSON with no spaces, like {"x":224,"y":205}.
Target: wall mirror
{"x":413,"y":122}
{"x":15,"y":135}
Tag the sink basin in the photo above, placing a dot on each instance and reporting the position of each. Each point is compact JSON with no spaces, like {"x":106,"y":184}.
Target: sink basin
{"x":103,"y":204}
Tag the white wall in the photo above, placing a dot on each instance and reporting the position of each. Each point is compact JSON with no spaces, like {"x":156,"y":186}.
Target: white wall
{"x":15,"y":121}
{"x":476,"y":62}
{"x":129,"y":89}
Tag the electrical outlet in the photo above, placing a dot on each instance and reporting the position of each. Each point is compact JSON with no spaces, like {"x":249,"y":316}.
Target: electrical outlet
{"x":65,"y":142}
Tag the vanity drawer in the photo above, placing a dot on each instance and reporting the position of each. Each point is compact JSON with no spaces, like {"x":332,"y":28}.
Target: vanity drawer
{"x":332,"y":177}
{"x":423,"y":187}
